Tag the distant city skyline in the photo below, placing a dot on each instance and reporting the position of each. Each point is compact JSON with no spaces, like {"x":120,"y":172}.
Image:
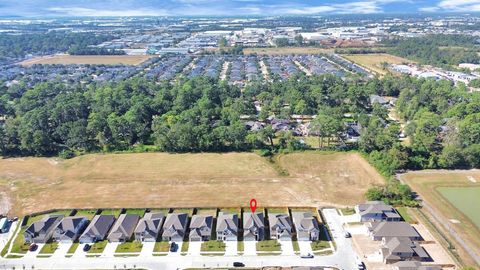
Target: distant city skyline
{"x":36,"y":8}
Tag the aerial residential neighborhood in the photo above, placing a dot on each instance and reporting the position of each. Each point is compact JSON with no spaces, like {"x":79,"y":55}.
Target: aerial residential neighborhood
{"x":240,"y":134}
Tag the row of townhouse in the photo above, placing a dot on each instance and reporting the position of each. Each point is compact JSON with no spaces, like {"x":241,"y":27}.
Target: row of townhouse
{"x":172,"y":227}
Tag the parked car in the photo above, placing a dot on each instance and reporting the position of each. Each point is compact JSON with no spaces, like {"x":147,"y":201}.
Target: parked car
{"x":87,"y":247}
{"x":347,"y":234}
{"x":238,"y":264}
{"x":173,"y":247}
{"x":306,"y":256}
{"x":361,"y":266}
{"x":33,"y":247}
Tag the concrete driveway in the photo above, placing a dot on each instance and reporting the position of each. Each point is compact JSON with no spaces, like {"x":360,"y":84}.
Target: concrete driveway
{"x":194,"y":248}
{"x":305,"y":247}
{"x":62,"y":250}
{"x":230,"y":248}
{"x":79,"y":252}
{"x":356,"y":229}
{"x":287,"y":247}
{"x":147,"y":249}
{"x":250,"y":248}
{"x":109,"y":250}
{"x":351,"y":218}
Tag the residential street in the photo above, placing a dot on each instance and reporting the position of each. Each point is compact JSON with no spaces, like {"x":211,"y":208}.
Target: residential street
{"x":343,"y":258}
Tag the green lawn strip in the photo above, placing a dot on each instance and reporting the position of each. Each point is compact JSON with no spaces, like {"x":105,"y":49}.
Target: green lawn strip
{"x":129,"y":247}
{"x":73,"y":248}
{"x":139,"y":212}
{"x":125,"y":255}
{"x":89,"y":214}
{"x":161,"y":247}
{"x":98,"y":247}
{"x":5,"y":249}
{"x":295,"y":245}
{"x":347,"y":211}
{"x":115,"y":212}
{"x":14,"y":257}
{"x":268,"y":245}
{"x":213,"y":245}
{"x":403,"y":211}
{"x":19,"y":245}
{"x":49,"y":248}
{"x":240,"y":246}
{"x":185,"y":246}
{"x":276,"y":210}
{"x":323,"y":252}
{"x":230,"y":210}
{"x":319,"y":245}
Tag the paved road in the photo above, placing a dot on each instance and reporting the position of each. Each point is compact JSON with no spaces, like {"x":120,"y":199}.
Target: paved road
{"x":343,"y":258}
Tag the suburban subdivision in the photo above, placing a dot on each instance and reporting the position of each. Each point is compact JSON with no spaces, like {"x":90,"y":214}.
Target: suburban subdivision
{"x":240,"y":134}
{"x":372,"y":235}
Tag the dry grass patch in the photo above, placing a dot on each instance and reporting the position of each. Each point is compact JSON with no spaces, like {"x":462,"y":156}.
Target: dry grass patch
{"x":373,"y":61}
{"x":159,"y":180}
{"x":64,"y":59}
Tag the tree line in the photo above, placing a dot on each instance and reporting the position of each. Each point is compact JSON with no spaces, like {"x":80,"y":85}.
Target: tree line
{"x":18,"y":46}
{"x":436,"y":50}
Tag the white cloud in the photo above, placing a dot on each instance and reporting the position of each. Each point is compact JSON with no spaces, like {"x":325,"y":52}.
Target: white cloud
{"x":86,"y":12}
{"x":455,"y":6}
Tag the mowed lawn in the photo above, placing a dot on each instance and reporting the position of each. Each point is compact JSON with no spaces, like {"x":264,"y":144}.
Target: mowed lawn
{"x":465,"y":199}
{"x":373,"y":61}
{"x":64,"y":59}
{"x":159,"y":180}
{"x":455,"y":194}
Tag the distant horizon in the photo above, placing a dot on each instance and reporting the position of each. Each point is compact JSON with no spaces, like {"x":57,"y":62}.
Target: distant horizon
{"x":229,"y":8}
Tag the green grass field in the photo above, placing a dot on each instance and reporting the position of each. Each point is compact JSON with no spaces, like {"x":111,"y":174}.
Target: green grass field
{"x":129,"y":247}
{"x":213,"y":245}
{"x":269,"y":245}
{"x":98,"y":247}
{"x":464,"y":198}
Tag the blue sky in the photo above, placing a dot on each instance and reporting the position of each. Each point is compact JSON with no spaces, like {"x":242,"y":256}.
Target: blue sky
{"x":227,"y":7}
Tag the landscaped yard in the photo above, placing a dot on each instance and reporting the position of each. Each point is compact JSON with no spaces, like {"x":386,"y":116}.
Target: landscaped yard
{"x":403,"y":211}
{"x":115,"y":212}
{"x":89,"y":214}
{"x":129,"y":247}
{"x":185,"y":246}
{"x":319,"y":245}
{"x":98,"y":247}
{"x":213,"y":245}
{"x":347,"y":211}
{"x":139,"y":212}
{"x":295,"y":245}
{"x":73,"y":248}
{"x":161,"y":247}
{"x":49,"y":248}
{"x":240,"y":246}
{"x":230,"y":211}
{"x":268,"y":245}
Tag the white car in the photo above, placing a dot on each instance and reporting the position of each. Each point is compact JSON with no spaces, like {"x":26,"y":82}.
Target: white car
{"x":306,"y":256}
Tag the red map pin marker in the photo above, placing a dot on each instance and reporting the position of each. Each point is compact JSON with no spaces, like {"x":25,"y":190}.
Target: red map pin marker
{"x":253,"y":205}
